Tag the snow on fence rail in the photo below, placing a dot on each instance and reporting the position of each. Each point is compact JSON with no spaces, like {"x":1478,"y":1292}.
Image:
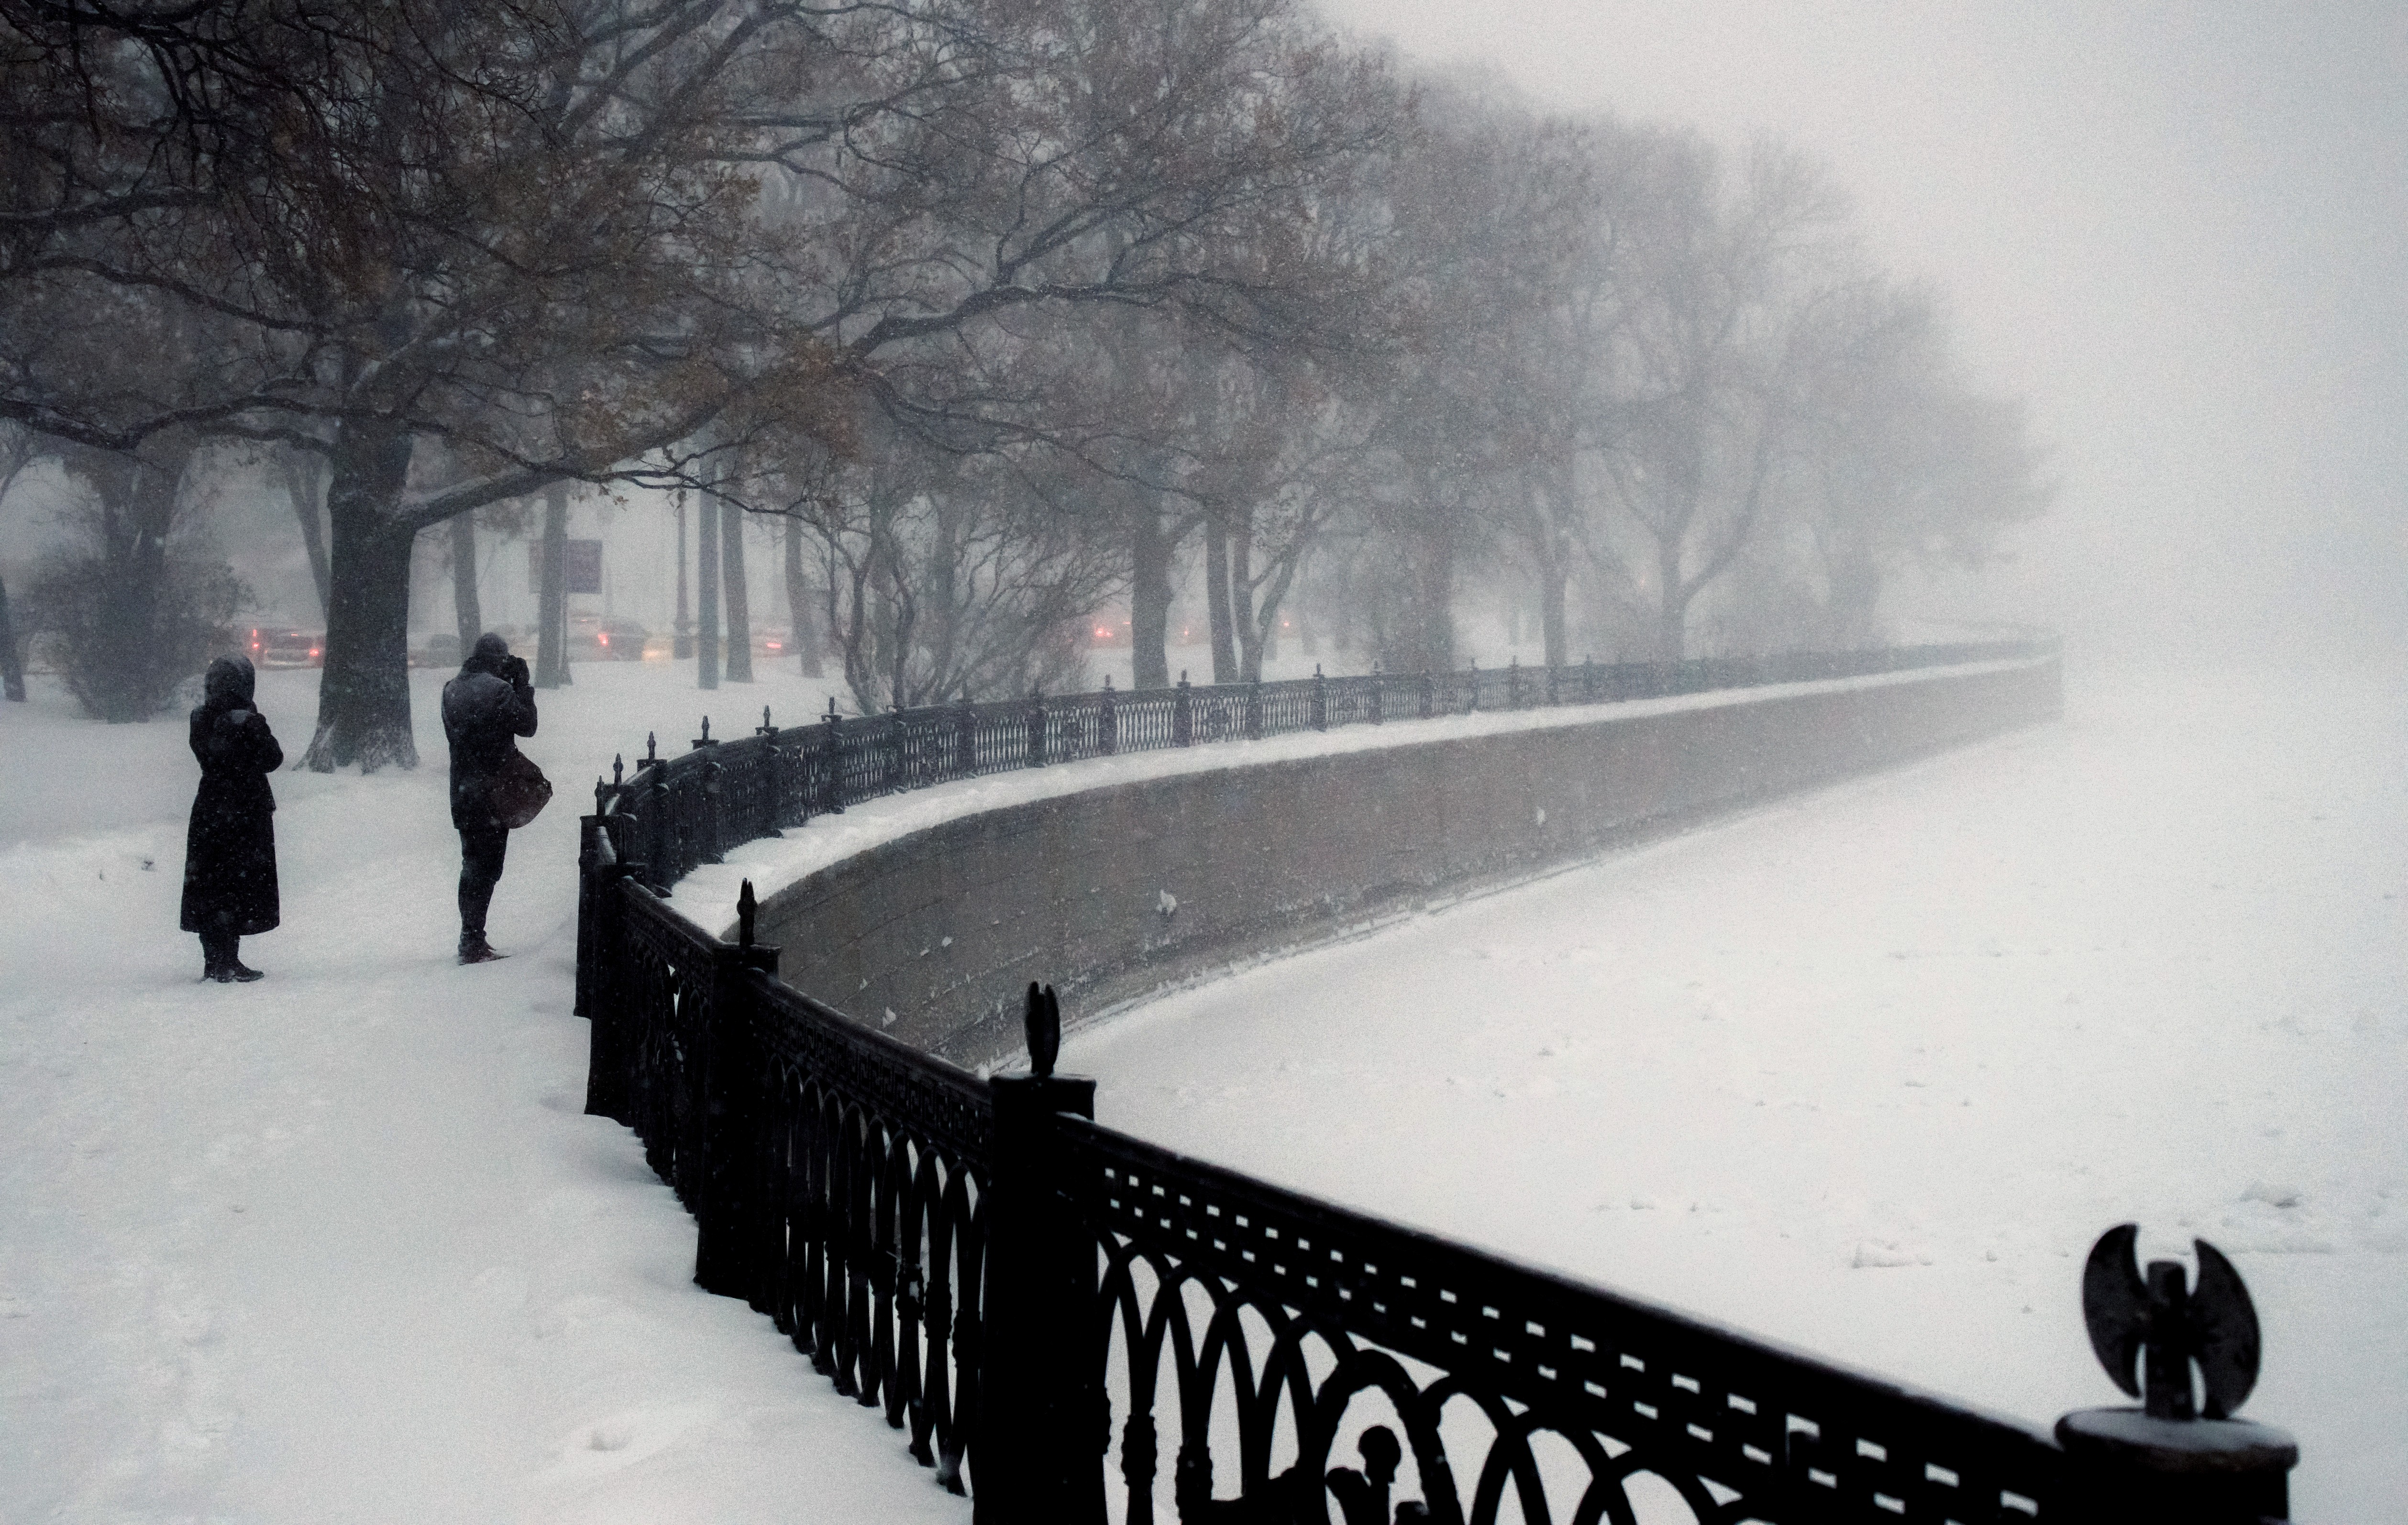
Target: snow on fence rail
{"x":986,"y":1265}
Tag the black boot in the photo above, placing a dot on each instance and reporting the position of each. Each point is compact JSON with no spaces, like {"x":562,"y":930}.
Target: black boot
{"x":474,"y":949}
{"x":216,"y":957}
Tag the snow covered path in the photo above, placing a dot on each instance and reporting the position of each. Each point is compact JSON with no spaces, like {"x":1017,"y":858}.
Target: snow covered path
{"x":340,"y":1245}
{"x":1868,"y":1070}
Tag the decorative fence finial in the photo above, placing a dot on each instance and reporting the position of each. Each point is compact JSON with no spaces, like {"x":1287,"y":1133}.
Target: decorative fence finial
{"x":2213,"y":1324}
{"x":1044,"y":1025}
{"x":652,"y":747}
{"x":746,"y":908}
{"x":706,"y":730}
{"x":617,"y":769}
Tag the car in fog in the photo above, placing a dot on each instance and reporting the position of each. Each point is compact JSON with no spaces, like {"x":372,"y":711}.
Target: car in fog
{"x":438,"y":650}
{"x":606,"y":637}
{"x":287,"y":646}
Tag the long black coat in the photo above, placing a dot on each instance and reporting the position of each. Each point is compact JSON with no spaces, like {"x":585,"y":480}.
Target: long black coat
{"x":485,"y":710}
{"x":230,"y":847}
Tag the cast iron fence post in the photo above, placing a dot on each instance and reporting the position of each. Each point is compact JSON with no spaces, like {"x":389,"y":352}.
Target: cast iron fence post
{"x":1553,"y":688}
{"x":1588,"y":677}
{"x":708,"y":845}
{"x":1036,"y":727}
{"x":894,"y":749}
{"x":727,"y":1257}
{"x":1254,"y":710}
{"x":831,"y":761}
{"x":1320,"y":699}
{"x":656,"y":813}
{"x":773,"y":792}
{"x":1379,"y":694}
{"x":1471,"y":687}
{"x":1041,"y":1430}
{"x":591,"y":844}
{"x":597,"y":970}
{"x":1512,"y":683}
{"x":1183,"y":715}
{"x":1426,"y":696}
{"x":965,"y":737}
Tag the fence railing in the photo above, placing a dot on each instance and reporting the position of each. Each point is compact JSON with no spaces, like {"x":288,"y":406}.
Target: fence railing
{"x":997,"y":1273}
{"x":688,"y":810}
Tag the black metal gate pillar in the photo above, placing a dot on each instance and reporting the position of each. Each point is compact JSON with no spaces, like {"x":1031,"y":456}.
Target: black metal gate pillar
{"x":1041,"y":1433}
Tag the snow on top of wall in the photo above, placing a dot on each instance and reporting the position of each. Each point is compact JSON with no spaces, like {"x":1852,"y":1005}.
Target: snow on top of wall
{"x":708,"y":894}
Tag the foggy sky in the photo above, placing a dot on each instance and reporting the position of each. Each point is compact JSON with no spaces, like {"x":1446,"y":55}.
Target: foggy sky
{"x":2176,"y":229}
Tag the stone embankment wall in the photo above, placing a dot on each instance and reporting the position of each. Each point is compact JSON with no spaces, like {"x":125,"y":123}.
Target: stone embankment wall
{"x":1113,"y":892}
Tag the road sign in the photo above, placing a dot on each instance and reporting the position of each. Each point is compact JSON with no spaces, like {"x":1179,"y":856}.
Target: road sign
{"x":581,"y":569}
{"x":581,"y":566}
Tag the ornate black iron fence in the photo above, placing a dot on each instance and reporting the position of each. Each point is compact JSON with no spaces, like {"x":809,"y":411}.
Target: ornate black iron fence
{"x":839,"y":1179}
{"x":988,"y":1267}
{"x":689,"y":809}
{"x":1286,"y":1319}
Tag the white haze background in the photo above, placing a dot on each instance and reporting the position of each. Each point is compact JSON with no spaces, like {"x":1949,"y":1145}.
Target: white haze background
{"x":2176,"y":229}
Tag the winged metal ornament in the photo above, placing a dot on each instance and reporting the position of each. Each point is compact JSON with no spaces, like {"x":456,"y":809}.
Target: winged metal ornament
{"x":1044,"y":1023}
{"x":2152,"y":1322}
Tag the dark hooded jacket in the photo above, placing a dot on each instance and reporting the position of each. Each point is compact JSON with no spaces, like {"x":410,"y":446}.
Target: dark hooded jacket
{"x":230,"y":847}
{"x":484,"y":710}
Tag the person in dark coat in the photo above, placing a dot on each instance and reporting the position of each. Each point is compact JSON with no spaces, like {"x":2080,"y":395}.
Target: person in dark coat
{"x":484,"y":710}
{"x":230,"y":847}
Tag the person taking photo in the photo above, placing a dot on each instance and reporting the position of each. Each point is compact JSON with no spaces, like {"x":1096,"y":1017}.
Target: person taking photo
{"x":485,"y":710}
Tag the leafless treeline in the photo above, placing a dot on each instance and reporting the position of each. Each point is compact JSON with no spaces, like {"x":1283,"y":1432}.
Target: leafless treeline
{"x":1014,"y":308}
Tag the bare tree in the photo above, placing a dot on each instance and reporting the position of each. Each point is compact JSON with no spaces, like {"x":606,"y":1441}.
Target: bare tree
{"x":1706,"y":370}
{"x":17,"y":450}
{"x":1906,"y":464}
{"x":513,"y":232}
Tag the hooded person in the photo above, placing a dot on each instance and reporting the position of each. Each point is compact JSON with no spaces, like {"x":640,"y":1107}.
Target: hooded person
{"x":485,"y":709}
{"x":230,"y":847}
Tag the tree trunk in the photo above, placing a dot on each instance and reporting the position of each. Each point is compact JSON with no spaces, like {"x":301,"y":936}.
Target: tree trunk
{"x":737,"y":592}
{"x":302,"y":487}
{"x":1551,"y":612}
{"x":138,"y":507}
{"x":682,"y":642}
{"x":1672,"y":604}
{"x":12,"y":661}
{"x":467,"y":614}
{"x":552,"y":602}
{"x":1432,"y":617}
{"x":1216,"y":598}
{"x":1242,"y":601}
{"x":705,"y":560}
{"x":1855,"y":601}
{"x":805,"y":619}
{"x":363,"y":694}
{"x":1149,"y":596}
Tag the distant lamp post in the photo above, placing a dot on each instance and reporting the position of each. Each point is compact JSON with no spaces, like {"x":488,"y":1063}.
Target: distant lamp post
{"x":682,"y":644}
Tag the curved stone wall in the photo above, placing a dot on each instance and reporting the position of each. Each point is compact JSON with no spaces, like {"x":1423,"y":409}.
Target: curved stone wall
{"x":1113,"y":892}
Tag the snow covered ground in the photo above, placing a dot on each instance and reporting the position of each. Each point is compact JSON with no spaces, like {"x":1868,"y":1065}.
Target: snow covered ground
{"x":340,"y":1245}
{"x":1868,"y":1070}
